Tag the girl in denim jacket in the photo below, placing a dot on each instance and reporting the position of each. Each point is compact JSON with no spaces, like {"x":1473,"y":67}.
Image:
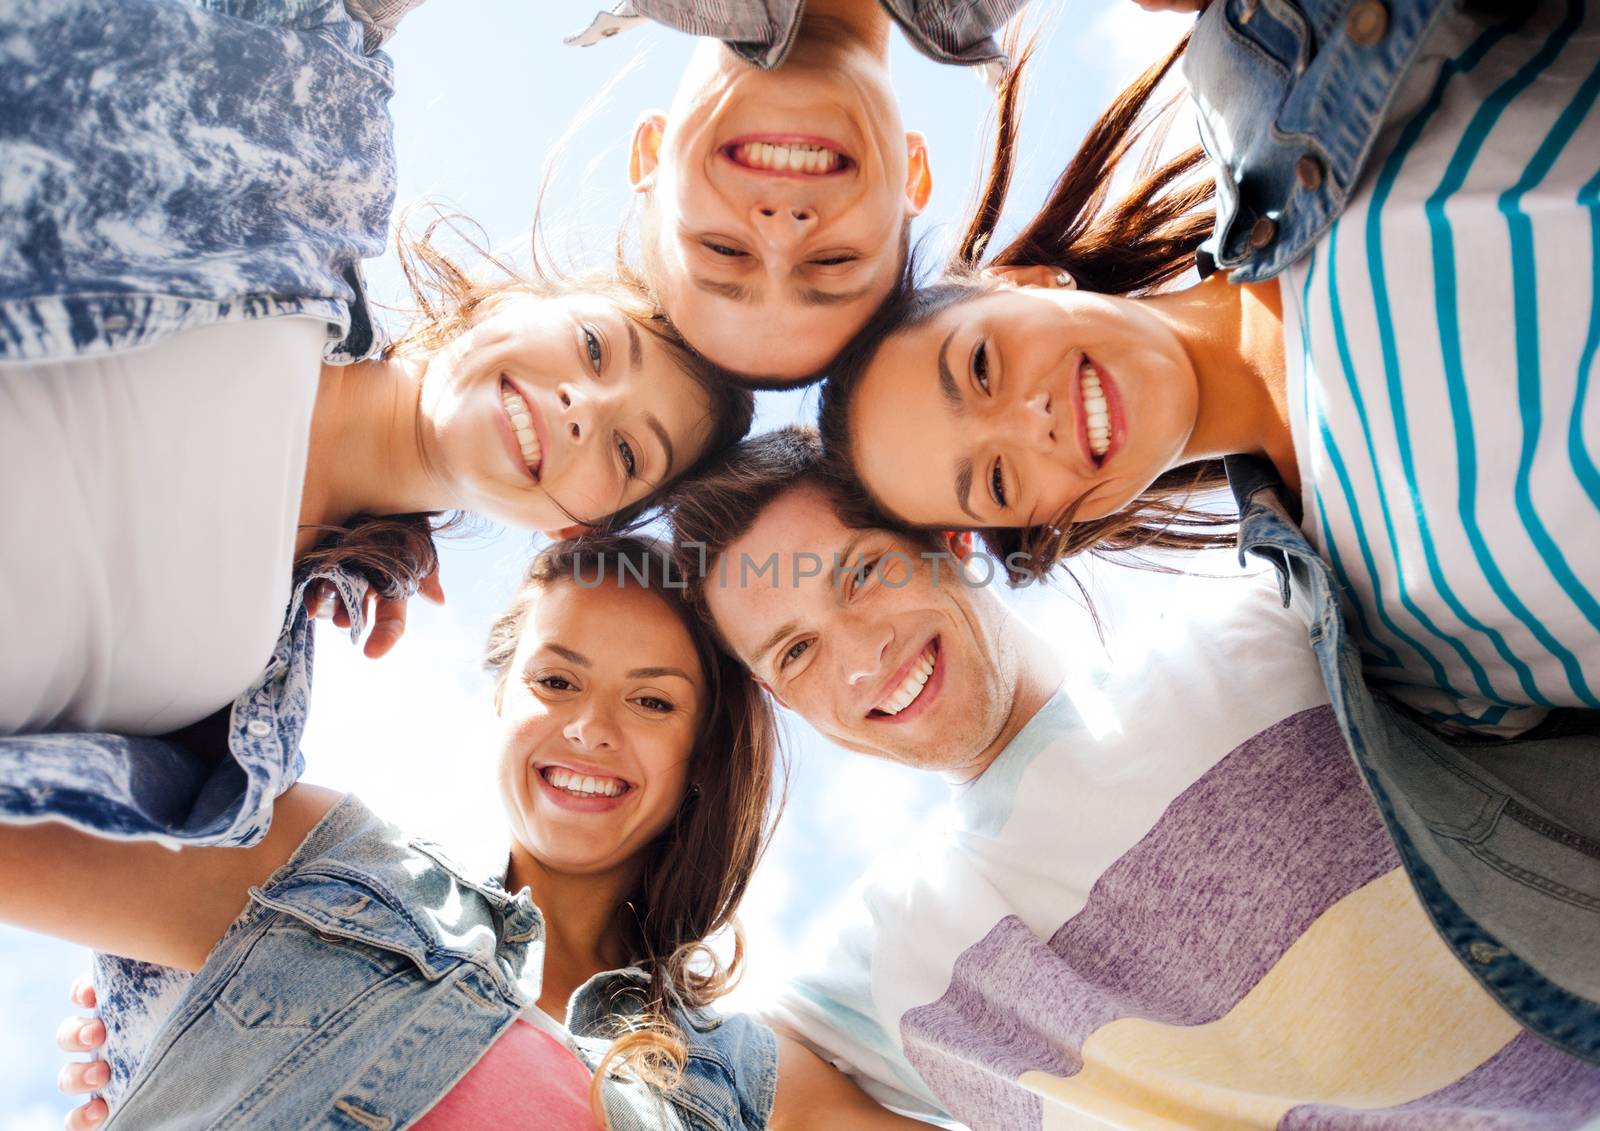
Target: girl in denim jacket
{"x":346,"y":973}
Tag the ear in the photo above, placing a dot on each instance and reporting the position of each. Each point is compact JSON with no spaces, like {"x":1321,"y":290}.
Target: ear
{"x":767,"y":687}
{"x":959,"y":542}
{"x":644,"y":152}
{"x":919,"y":174}
{"x":1057,"y":278}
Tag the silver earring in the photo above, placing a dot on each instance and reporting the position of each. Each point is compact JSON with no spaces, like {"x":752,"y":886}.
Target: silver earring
{"x":1065,"y":279}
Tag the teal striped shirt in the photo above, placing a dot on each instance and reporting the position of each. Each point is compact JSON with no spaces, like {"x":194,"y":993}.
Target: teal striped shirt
{"x":1441,"y":342}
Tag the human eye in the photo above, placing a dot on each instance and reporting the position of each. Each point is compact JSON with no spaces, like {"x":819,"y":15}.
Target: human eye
{"x":596,"y":350}
{"x":794,"y":652}
{"x":552,"y":682}
{"x":728,"y":251}
{"x":980,"y":366}
{"x":836,"y":259}
{"x":630,"y":462}
{"x":655,"y":704}
{"x":997,"y":485}
{"x":863,"y":577}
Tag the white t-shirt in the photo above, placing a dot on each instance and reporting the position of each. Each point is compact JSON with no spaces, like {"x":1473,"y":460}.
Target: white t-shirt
{"x":1171,"y":903}
{"x":150,"y":501}
{"x":1441,"y":345}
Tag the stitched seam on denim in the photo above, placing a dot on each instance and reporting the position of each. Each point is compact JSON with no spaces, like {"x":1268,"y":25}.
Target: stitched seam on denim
{"x":1535,"y":880}
{"x":461,"y":985}
{"x":364,"y":1117}
{"x":1549,"y":829}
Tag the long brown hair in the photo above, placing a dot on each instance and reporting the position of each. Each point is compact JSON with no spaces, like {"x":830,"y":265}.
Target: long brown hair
{"x":697,"y":869}
{"x":1136,"y":245}
{"x":396,"y":552}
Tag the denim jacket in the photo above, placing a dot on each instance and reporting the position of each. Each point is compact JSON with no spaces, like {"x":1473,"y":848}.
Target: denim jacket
{"x":1291,"y":95}
{"x":167,"y":164}
{"x":368,"y":946}
{"x":1500,"y":838}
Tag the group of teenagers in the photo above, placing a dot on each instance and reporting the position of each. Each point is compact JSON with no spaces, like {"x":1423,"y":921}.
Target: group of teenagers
{"x":1327,"y":855}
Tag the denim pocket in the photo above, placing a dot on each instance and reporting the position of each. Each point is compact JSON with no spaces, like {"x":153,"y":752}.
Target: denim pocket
{"x":296,"y":977}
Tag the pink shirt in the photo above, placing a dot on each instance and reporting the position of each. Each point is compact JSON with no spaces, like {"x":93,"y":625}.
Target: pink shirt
{"x":527,"y":1081}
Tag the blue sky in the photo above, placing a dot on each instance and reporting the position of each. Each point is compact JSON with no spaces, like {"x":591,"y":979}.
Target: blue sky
{"x":485,"y":91}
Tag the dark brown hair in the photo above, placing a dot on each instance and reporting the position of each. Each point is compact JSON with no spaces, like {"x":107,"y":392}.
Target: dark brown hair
{"x":396,"y":552}
{"x":697,"y":870}
{"x":1136,"y":245}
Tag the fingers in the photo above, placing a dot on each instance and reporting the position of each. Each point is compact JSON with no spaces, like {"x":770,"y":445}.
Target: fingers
{"x":81,"y":1076}
{"x":82,"y":993}
{"x":80,"y":1034}
{"x":91,"y":1114}
{"x":388,"y":624}
{"x":432,"y":588}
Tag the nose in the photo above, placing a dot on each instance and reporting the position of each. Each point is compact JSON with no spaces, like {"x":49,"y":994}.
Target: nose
{"x":1033,"y":422}
{"x":584,"y":411}
{"x":863,"y":655}
{"x":590,"y":729}
{"x":782,"y":227}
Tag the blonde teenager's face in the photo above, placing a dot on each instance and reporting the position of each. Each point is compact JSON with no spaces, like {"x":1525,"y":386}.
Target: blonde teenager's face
{"x":1006,"y":409}
{"x":555,"y":411}
{"x":598,"y":717}
{"x":777,"y":203}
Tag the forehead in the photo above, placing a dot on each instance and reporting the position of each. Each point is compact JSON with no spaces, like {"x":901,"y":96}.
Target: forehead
{"x":615,"y":626}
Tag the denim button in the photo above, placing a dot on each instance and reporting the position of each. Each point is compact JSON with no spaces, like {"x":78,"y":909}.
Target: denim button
{"x":258,"y":728}
{"x":1366,"y":23}
{"x":1263,"y":232}
{"x":1308,"y":171}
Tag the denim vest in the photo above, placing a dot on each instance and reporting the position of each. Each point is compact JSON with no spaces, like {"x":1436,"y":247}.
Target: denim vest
{"x":1500,"y":838}
{"x":166,"y":164}
{"x":151,"y":788}
{"x":368,"y":948}
{"x":1290,"y":96}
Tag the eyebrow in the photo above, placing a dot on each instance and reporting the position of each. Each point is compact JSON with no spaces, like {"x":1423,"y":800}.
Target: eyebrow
{"x":772,"y":641}
{"x":635,"y":348}
{"x":737,"y":292}
{"x":666,"y":442}
{"x":573,"y":657}
{"x":952,"y":396}
{"x":656,"y":673}
{"x":813,"y":297}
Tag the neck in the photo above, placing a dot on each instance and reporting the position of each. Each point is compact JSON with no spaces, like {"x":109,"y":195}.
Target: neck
{"x":1233,"y":335}
{"x":365,"y":454}
{"x":1038,"y":674}
{"x":862,"y":21}
{"x":580,"y":922}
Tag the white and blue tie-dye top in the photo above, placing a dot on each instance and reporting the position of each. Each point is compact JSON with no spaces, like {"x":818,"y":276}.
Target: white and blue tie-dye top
{"x":167,"y":164}
{"x":1441,"y":345}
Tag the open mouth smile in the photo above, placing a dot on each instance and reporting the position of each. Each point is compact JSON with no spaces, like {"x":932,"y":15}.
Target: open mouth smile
{"x":793,"y":156}
{"x":523,"y":429}
{"x":1101,"y":428}
{"x":913,"y":687}
{"x":582,"y":790}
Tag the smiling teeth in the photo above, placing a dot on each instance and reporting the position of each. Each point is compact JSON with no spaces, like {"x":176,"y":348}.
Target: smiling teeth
{"x":787,"y":157}
{"x":911,"y":687}
{"x":1096,"y":413}
{"x":583,"y":785}
{"x":522,"y":425}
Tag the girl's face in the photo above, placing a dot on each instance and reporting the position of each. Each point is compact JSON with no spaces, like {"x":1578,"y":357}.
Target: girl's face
{"x":1005,"y":409}
{"x":555,"y":411}
{"x":598,"y":715}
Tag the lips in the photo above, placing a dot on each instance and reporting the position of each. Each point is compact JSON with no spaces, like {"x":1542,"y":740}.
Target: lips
{"x":1101,"y":428}
{"x":580,"y":788}
{"x":912,"y":688}
{"x":527,"y":440}
{"x":788,"y":155}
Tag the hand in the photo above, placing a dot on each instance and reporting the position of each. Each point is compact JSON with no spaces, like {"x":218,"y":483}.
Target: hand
{"x":1173,"y":5}
{"x":79,"y":1034}
{"x":387,"y":617}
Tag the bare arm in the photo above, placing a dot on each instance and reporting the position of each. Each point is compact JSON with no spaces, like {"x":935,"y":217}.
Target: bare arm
{"x":149,"y":902}
{"x":813,"y":1095}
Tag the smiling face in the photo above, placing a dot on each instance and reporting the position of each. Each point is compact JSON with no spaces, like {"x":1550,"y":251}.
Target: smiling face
{"x":778,"y":203}
{"x":555,"y":410}
{"x":599,"y":715}
{"x":1034,"y":399}
{"x":903,"y":663}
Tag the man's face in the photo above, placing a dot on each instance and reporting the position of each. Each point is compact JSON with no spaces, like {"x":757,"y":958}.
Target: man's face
{"x":778,"y":202}
{"x":898,"y":663}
